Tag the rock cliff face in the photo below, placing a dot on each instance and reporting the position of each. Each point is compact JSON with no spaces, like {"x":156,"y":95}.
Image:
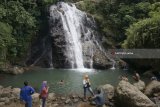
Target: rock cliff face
{"x":72,"y":41}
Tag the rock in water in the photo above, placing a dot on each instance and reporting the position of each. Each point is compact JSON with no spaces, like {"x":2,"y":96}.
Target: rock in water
{"x":128,"y":95}
{"x":152,"y":88}
{"x":140,"y":85}
{"x":17,"y":70}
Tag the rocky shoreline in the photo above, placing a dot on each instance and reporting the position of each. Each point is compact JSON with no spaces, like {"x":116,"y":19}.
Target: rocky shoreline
{"x":124,"y":95}
{"x":15,"y":70}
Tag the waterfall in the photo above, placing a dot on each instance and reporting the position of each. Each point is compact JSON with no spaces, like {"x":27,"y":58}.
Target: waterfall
{"x":72,"y":22}
{"x":74,"y":36}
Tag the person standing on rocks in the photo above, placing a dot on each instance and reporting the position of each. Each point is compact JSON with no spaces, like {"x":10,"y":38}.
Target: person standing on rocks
{"x":44,"y":93}
{"x":87,"y":86}
{"x":25,"y":94}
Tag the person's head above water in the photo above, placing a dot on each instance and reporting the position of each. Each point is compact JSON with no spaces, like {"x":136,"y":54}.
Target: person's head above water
{"x":26,"y":83}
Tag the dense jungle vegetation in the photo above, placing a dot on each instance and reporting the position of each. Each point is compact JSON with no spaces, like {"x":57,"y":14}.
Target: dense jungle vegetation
{"x":122,"y":23}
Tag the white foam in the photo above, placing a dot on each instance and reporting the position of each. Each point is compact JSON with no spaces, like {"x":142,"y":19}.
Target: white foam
{"x":113,"y":68}
{"x":84,"y":70}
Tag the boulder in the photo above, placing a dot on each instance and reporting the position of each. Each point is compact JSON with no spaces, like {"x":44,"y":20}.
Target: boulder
{"x":55,"y":105}
{"x":2,"y":99}
{"x":17,"y":70}
{"x":8,"y":88}
{"x":16,"y":92}
{"x":140,"y":85}
{"x":13,"y":70}
{"x":7,"y":101}
{"x":75,"y":100}
{"x":128,"y":95}
{"x":108,"y":90}
{"x":51,"y":96}
{"x":152,"y":88}
{"x":35,"y":97}
{"x":67,"y":101}
{"x":73,"y":96}
{"x":63,"y":98}
{"x":2,"y":104}
{"x":5,"y":93}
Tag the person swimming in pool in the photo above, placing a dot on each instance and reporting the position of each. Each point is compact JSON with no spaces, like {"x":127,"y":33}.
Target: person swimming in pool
{"x":61,"y":82}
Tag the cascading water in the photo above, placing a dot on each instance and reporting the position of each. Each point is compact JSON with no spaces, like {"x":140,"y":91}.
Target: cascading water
{"x":72,"y":28}
{"x":72,"y":21}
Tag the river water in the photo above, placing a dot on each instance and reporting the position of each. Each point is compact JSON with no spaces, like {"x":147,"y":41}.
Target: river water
{"x":72,"y":79}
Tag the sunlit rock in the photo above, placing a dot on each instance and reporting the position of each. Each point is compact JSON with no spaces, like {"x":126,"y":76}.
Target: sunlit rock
{"x":140,"y":85}
{"x":152,"y":88}
{"x":108,"y":90}
{"x":128,"y":95}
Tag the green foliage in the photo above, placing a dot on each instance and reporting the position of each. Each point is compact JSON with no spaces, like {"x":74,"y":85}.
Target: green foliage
{"x":3,"y":11}
{"x":115,"y":16}
{"x":142,"y":8}
{"x":145,"y":33}
{"x":6,"y":40}
{"x":18,"y":26}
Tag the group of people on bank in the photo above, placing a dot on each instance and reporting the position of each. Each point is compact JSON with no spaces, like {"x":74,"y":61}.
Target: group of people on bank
{"x":27,"y":91}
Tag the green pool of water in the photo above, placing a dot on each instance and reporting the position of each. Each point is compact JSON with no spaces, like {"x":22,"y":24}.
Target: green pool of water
{"x":73,"y":79}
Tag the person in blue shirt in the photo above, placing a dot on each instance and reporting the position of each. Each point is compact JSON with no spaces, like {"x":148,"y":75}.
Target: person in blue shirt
{"x":25,"y":94}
